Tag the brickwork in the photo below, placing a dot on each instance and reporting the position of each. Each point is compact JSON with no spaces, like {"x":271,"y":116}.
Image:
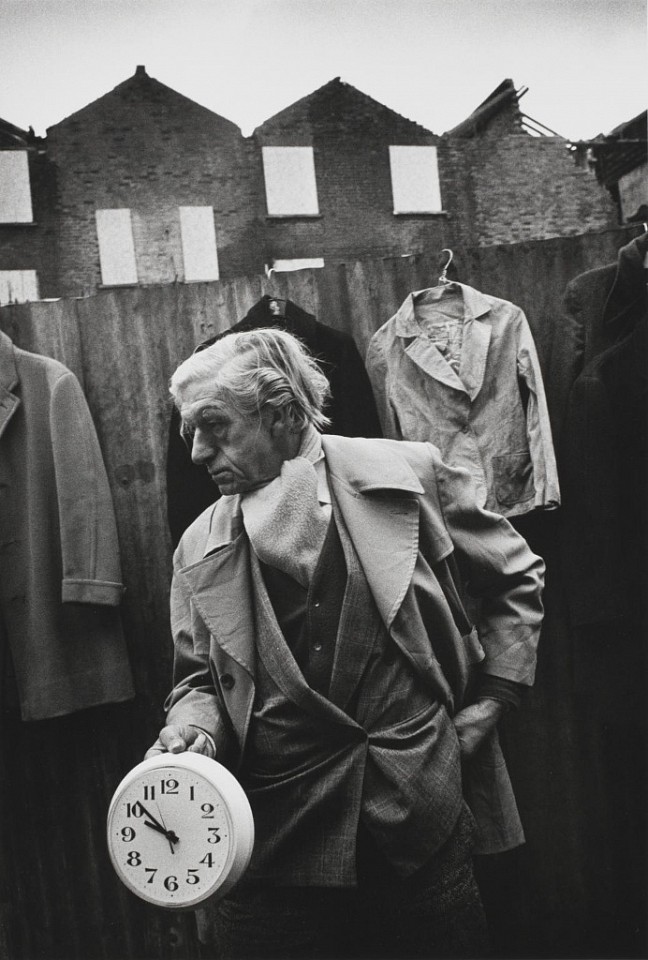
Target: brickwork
{"x":32,"y":246}
{"x":518,"y":187}
{"x":146,"y":148}
{"x":350,"y":134}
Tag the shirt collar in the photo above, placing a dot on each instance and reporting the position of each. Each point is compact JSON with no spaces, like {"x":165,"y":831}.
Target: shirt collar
{"x":476,"y":304}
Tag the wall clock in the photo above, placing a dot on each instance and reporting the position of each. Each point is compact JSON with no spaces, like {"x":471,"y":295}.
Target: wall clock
{"x":180,"y":830}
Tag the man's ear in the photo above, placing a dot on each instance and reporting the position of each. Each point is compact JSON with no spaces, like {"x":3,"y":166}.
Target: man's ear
{"x":286,"y":435}
{"x":280,"y":421}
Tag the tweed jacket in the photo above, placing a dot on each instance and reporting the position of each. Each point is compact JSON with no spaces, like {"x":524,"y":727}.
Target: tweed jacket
{"x":405,"y":511}
{"x":60,"y":576}
{"x":491,"y":416}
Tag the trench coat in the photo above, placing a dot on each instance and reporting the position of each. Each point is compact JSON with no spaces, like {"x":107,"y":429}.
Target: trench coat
{"x":60,"y":573}
{"x":399,"y":501}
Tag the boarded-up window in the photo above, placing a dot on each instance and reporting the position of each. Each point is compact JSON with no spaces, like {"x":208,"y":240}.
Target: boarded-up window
{"x":18,"y":286}
{"x":116,"y":247}
{"x":415,"y":179}
{"x":15,"y":192}
{"x":291,"y":188}
{"x":305,"y":263}
{"x":198,"y":243}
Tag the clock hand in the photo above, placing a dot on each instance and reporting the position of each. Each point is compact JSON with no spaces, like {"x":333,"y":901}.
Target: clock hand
{"x":156,"y":825}
{"x":169,"y":834}
{"x":171,"y":837}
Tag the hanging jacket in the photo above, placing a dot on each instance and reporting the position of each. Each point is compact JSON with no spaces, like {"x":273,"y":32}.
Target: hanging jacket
{"x":60,"y":576}
{"x":352,"y":408}
{"x":481,"y":400}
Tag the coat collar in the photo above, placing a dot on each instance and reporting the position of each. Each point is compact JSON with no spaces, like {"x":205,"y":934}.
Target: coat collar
{"x":375,"y":489}
{"x":9,"y":402}
{"x":476,"y":338}
{"x":626,"y":302}
{"x":294,"y":319}
{"x":220,"y":586}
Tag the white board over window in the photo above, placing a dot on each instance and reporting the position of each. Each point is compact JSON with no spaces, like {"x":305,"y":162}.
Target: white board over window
{"x":303,"y":263}
{"x":415,"y":179}
{"x":291,"y":187}
{"x":18,"y":286}
{"x":15,"y":191}
{"x":116,"y":247}
{"x":199,"y":250}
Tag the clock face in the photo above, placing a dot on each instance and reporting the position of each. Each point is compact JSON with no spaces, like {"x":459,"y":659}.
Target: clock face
{"x":180,"y":830}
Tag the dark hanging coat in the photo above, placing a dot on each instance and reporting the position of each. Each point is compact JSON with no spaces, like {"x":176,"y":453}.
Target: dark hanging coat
{"x":602,"y":455}
{"x":600,"y":307}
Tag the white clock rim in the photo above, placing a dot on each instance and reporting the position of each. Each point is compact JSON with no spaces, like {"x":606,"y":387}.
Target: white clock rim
{"x":242,"y":839}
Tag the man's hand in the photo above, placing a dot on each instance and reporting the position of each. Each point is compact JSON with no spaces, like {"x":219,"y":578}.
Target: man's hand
{"x":177,"y":739}
{"x":475,"y":723}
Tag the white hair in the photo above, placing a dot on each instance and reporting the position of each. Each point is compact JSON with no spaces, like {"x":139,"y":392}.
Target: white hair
{"x":259,"y":368}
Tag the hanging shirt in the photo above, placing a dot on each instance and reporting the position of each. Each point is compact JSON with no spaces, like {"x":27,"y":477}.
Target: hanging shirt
{"x":459,"y":368}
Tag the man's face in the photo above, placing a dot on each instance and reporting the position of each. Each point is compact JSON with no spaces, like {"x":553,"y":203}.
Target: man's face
{"x":240,"y":453}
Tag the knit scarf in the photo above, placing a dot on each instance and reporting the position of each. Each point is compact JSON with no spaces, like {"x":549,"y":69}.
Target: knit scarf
{"x":284,"y":520}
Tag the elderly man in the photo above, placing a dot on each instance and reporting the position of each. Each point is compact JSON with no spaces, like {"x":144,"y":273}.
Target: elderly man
{"x":324,"y":653}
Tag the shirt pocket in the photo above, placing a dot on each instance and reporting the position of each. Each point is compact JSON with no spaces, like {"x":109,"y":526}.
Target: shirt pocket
{"x":512,"y":478}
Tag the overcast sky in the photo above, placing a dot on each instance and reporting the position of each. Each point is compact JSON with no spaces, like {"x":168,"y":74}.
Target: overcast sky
{"x":434,"y":61}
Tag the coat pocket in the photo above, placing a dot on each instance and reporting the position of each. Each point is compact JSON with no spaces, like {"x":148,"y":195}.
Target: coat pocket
{"x":512,"y":478}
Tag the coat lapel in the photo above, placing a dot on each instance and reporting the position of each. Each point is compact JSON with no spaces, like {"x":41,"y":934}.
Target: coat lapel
{"x":475,"y":343}
{"x":431,"y":361}
{"x":221,"y":590}
{"x":474,"y":354}
{"x":383,"y":528}
{"x":9,"y":402}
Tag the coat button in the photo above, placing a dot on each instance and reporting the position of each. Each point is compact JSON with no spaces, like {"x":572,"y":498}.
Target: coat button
{"x":227,"y":681}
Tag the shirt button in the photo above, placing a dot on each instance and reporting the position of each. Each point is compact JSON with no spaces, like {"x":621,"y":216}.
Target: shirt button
{"x":227,"y":681}
{"x":317,"y":604}
{"x":317,"y":647}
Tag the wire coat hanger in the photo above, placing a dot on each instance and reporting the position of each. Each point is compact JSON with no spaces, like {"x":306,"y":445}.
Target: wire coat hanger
{"x":443,"y":279}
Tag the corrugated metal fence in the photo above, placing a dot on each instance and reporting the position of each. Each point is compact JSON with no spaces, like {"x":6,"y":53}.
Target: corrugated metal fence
{"x":58,"y":896}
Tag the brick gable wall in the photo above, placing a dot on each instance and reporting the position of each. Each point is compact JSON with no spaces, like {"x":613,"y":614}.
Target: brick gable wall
{"x":350,"y":134}
{"x":146,"y":148}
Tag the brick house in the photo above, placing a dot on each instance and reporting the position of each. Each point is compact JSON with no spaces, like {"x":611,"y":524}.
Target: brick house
{"x":28,"y":265}
{"x":152,"y":188}
{"x":347,"y":178}
{"x":382,"y":185}
{"x":144,"y":186}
